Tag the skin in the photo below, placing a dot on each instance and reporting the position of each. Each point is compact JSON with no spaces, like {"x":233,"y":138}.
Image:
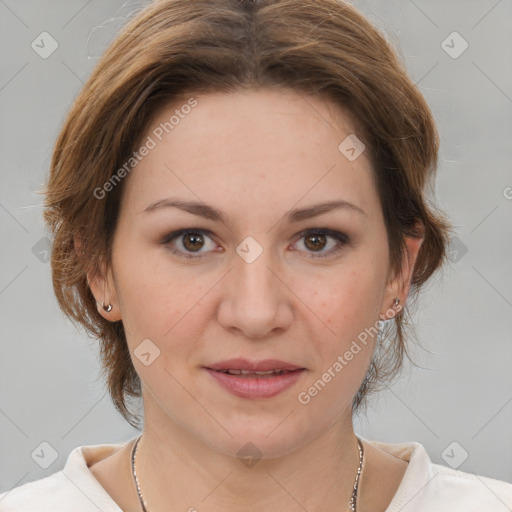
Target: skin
{"x":254,"y":155}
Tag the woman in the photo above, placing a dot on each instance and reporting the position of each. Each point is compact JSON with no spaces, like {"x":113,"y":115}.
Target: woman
{"x":237,"y":200}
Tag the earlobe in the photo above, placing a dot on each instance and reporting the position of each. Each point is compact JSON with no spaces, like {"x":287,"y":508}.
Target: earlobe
{"x":103,"y":289}
{"x":400,"y":286}
{"x":393,"y":311}
{"x":108,"y":311}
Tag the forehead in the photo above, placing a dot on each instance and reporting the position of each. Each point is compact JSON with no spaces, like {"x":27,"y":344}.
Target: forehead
{"x":250,"y":149}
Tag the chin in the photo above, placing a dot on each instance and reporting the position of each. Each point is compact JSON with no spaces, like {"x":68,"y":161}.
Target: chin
{"x":259,"y":439}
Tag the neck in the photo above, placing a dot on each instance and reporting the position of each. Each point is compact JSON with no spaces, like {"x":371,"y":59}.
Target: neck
{"x":175,"y":467}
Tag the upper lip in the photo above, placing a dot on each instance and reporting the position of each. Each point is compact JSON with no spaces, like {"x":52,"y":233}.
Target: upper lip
{"x":254,"y":366}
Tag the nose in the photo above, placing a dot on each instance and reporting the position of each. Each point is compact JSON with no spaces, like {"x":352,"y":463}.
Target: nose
{"x":256,"y":301}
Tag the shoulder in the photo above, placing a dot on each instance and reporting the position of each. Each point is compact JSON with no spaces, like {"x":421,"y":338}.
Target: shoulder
{"x":468,"y":491}
{"x":53,"y":492}
{"x":427,"y":486}
{"x":72,"y":488}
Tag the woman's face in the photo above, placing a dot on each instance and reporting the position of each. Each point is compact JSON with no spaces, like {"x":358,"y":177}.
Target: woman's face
{"x":262,"y":283}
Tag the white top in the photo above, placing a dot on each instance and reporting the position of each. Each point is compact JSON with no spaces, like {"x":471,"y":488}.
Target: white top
{"x":425,"y":487}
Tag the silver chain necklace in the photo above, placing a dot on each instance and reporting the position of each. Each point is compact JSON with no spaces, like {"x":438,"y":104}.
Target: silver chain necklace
{"x":352,"y":502}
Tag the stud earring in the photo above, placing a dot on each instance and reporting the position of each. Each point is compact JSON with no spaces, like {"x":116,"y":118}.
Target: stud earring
{"x":107,"y":308}
{"x":384,"y":316}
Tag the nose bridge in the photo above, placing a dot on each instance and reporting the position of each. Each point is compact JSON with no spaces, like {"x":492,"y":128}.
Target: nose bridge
{"x":252,"y":272}
{"x":255,"y":301}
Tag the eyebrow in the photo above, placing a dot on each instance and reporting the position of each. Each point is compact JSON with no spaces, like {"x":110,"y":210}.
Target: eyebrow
{"x":209,"y":212}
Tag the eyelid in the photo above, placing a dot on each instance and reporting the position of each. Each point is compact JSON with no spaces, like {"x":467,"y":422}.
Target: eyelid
{"x":175,"y":234}
{"x":181,"y":232}
{"x":341,"y":238}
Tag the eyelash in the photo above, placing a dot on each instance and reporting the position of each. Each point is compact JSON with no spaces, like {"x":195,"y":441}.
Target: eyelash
{"x":337,"y":235}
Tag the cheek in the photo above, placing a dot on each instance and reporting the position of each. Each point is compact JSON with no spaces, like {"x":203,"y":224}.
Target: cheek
{"x":156,"y":298}
{"x":350,"y":299}
{"x":165,"y":308}
{"x":349,"y":306}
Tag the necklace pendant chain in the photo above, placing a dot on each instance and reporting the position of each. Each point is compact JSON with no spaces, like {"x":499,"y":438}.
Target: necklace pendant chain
{"x":353,"y":499}
{"x":352,"y":503}
{"x":135,"y":479}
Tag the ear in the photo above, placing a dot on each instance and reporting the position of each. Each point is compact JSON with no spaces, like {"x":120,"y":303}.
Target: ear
{"x":102,"y":285}
{"x":103,"y":288}
{"x":400,"y":286}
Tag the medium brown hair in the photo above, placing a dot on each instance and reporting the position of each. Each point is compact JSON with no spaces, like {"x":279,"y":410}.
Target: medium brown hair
{"x":177,"y":47}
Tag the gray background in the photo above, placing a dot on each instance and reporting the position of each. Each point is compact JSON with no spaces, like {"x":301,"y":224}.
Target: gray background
{"x":50,"y":383}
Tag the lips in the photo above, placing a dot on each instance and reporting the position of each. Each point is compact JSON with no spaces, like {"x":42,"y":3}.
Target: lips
{"x":245,"y":367}
{"x":243,"y":373}
{"x":256,"y":384}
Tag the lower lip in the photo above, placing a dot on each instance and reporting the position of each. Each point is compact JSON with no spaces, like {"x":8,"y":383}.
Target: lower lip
{"x":256,"y":387}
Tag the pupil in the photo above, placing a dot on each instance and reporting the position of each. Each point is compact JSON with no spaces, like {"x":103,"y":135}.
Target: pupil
{"x":196,"y":239}
{"x":315,"y":245}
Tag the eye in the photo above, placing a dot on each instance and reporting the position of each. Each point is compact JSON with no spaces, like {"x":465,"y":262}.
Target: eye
{"x":316,"y":239}
{"x":191,"y":241}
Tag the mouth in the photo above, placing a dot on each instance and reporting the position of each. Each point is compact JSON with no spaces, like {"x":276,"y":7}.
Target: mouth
{"x":242,"y":366}
{"x":255,"y":380}
{"x":255,"y":374}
